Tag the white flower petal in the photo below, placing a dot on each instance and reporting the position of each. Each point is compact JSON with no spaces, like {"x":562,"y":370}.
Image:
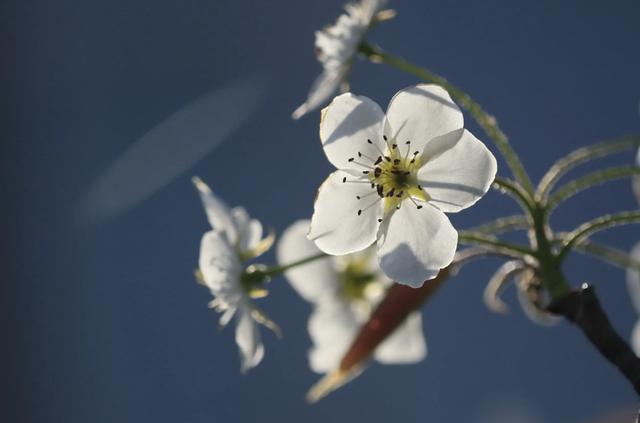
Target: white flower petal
{"x":332,"y":327}
{"x":336,"y":226}
{"x":459,"y":169}
{"x":421,"y":113}
{"x":220,"y":267}
{"x":633,"y":280}
{"x":217,"y":211}
{"x":346,"y":125}
{"x":321,"y":90}
{"x":248,"y":339}
{"x":635,"y":338}
{"x":405,"y":345}
{"x":315,"y":280}
{"x":249,"y":230}
{"x":416,"y":244}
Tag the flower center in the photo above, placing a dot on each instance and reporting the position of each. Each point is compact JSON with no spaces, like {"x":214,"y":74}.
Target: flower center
{"x":356,"y":279}
{"x":393,"y":176}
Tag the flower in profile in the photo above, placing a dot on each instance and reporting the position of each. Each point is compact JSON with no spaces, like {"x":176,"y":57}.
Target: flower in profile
{"x":344,"y":290}
{"x":235,"y":238}
{"x":336,"y":47}
{"x":396,"y":177}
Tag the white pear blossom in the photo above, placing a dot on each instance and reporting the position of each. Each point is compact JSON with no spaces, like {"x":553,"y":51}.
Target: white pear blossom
{"x":344,"y":290}
{"x":336,"y":47}
{"x":235,"y":237}
{"x":396,"y":177}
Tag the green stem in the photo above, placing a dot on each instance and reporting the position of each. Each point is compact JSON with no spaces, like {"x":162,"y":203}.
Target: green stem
{"x":276,"y":270}
{"x":524,"y":198}
{"x":475,"y":238}
{"x":590,"y":180}
{"x":595,"y":225}
{"x":549,"y":264}
{"x":487,"y":122}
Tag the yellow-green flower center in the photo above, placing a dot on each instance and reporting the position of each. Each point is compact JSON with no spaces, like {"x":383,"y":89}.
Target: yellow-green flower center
{"x":393,"y":176}
{"x":355,"y":279}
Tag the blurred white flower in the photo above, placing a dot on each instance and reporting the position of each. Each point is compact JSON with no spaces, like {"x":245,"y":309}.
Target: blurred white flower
{"x":235,"y":237}
{"x":344,"y":290}
{"x":633,"y":282}
{"x":336,"y":47}
{"x":397,"y":175}
{"x":633,"y":276}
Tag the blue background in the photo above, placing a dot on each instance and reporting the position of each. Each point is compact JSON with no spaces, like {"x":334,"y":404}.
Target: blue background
{"x":104,"y":322}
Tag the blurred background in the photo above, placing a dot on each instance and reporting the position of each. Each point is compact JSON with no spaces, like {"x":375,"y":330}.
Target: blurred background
{"x":102,"y":320}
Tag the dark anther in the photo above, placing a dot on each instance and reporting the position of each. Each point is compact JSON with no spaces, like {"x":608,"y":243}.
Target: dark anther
{"x":412,"y":161}
{"x":396,"y":161}
{"x":377,"y":171}
{"x":379,"y":220}
{"x":384,"y":137}
{"x":357,"y":197}
{"x":415,"y":153}
{"x":359,"y":154}
{"x":394,"y":146}
{"x":366,"y":172}
{"x":351,"y":159}
{"x":408,"y":142}
{"x":344,"y":179}
{"x":359,"y":212}
{"x":380,"y":190}
{"x":387,"y":158}
{"x":419,"y":207}
{"x":378,"y":161}
{"x":390,"y":193}
{"x":369,"y":141}
{"x":400,"y":194}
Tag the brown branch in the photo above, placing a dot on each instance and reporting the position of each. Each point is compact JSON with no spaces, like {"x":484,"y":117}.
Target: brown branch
{"x":582,"y":308}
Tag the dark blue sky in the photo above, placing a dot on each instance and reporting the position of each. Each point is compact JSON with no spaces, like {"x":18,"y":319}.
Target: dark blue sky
{"x":104,"y":322}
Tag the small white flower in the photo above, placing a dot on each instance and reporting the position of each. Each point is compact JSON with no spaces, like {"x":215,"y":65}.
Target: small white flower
{"x":397,"y":175}
{"x":344,"y":290}
{"x":336,"y":47}
{"x":235,"y":237}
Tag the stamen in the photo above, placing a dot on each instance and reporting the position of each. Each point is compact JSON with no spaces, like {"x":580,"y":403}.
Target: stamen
{"x":418,"y":206}
{"x":376,"y":146}
{"x":406,"y":156}
{"x":378,"y":161}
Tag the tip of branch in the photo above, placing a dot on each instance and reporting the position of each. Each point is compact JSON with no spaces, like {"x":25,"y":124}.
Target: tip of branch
{"x":330,"y":382}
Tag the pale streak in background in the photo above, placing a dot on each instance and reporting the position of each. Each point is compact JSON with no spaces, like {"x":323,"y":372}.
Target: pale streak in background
{"x":170,"y":148}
